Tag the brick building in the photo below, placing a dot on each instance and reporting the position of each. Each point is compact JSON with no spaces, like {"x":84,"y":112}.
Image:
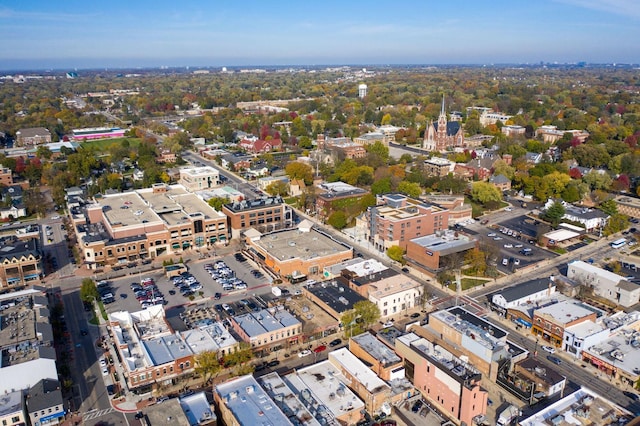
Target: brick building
{"x":33,"y":136}
{"x":264,"y":214}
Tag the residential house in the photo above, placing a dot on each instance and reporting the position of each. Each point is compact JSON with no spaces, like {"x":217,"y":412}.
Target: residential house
{"x":501,"y":182}
{"x":6,"y":176}
{"x":260,"y":146}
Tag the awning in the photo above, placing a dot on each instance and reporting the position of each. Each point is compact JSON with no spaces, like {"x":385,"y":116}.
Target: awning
{"x":175,"y":245}
{"x":523,"y":322}
{"x":13,"y":280}
{"x":30,"y":276}
{"x":185,"y":245}
{"x":222,"y":238}
{"x":213,"y":239}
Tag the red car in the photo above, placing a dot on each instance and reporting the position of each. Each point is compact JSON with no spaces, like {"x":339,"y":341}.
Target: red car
{"x":320,"y":349}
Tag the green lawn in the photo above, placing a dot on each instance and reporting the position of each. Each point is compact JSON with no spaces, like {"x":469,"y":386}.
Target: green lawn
{"x":102,"y":145}
{"x":468,"y":283}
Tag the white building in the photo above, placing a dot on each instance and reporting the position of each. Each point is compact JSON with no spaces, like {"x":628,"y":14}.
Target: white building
{"x":584,"y":335}
{"x":199,"y":178}
{"x":604,"y":283}
{"x":395,"y":294}
{"x":526,"y":293}
{"x":491,"y":117}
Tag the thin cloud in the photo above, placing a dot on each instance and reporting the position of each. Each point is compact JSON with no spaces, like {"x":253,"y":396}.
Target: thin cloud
{"x":616,"y":7}
{"x":6,"y":13}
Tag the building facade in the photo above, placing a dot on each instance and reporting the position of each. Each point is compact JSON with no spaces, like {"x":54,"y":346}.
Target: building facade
{"x":549,"y":322}
{"x":199,"y":178}
{"x":264,"y":214}
{"x":443,"y":135}
{"x":33,"y":136}
{"x":20,"y":262}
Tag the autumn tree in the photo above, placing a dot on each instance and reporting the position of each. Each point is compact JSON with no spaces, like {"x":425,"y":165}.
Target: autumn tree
{"x":218,"y":202}
{"x":207,"y":365}
{"x":299,"y":170}
{"x":396,"y":253}
{"x":277,"y":187}
{"x":358,"y":320}
{"x":337,"y":219}
{"x":410,"y":189}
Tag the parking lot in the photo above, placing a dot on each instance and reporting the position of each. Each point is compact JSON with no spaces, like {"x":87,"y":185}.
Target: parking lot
{"x":201,"y":283}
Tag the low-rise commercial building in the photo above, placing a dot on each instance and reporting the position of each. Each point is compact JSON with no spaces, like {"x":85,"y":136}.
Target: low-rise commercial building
{"x":525,"y":294}
{"x":382,"y":359}
{"x":628,"y":205}
{"x":33,"y":136}
{"x":450,"y":383}
{"x":20,"y":262}
{"x":395,"y":294}
{"x":334,"y":297}
{"x":44,"y":403}
{"x":549,"y":322}
{"x":146,"y":223}
{"x":374,"y":391}
{"x":605,"y":284}
{"x":199,"y":178}
{"x":427,"y":253}
{"x":13,"y":409}
{"x":333,"y":193}
{"x":268,"y":330}
{"x":295,"y":254}
{"x":467,"y":336}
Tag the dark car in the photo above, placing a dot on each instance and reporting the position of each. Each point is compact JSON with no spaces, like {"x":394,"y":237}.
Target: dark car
{"x":631,"y":395}
{"x":414,"y":315}
{"x":217,"y":296}
{"x":554,"y":359}
{"x":335,"y":342}
{"x":111,"y":390}
{"x":84,"y":332}
{"x":218,"y":308}
{"x":405,"y":270}
{"x":273,"y":363}
{"x":417,"y":406}
{"x":260,"y":367}
{"x":139,"y":415}
{"x":172,"y":292}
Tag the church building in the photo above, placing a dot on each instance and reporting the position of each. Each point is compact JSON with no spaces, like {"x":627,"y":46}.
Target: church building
{"x":443,"y":135}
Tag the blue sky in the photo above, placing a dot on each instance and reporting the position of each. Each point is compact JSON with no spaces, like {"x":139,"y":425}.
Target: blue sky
{"x":115,"y":33}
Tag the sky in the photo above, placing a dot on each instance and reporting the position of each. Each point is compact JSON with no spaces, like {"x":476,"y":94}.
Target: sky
{"x":41,"y":34}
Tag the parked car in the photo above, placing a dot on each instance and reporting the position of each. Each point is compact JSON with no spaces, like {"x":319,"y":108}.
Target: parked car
{"x":335,"y":342}
{"x":273,"y":363}
{"x":549,"y":349}
{"x":554,"y":359}
{"x":304,"y":353}
{"x":320,"y":349}
{"x":217,"y":296}
{"x":631,"y":395}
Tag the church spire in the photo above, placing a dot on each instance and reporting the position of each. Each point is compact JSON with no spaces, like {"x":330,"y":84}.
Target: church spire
{"x":442,"y":110}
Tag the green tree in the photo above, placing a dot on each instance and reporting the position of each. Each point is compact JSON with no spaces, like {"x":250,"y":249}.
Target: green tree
{"x":218,"y":202}
{"x":396,"y":253}
{"x":207,"y":365}
{"x":500,"y":167}
{"x":616,"y":223}
{"x":597,"y":180}
{"x":277,"y":187}
{"x":299,"y":170}
{"x":360,"y":318}
{"x":381,"y":186}
{"x":554,"y":213}
{"x":88,"y":290}
{"x":44,"y":152}
{"x":410,"y":189}
{"x":609,"y":207}
{"x":484,"y":192}
{"x":337,"y":219}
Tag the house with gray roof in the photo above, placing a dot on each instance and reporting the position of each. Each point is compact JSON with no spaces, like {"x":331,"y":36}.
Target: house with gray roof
{"x":44,"y":402}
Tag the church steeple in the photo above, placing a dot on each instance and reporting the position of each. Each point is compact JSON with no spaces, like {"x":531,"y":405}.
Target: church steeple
{"x":442,"y":110}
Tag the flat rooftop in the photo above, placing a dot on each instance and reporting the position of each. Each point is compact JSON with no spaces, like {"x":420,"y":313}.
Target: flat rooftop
{"x":572,"y":410}
{"x":202,"y":171}
{"x":127,"y":209}
{"x":359,"y":267}
{"x":296,"y":244}
{"x":322,"y":384}
{"x":621,"y":350}
{"x":197,"y":408}
{"x":446,"y":243}
{"x":463,"y":321}
{"x":264,"y":321}
{"x":288,"y":401}
{"x":392,"y":285}
{"x":357,"y":368}
{"x":213,"y":337}
{"x":456,"y":368}
{"x":338,"y":297}
{"x":564,"y":312}
{"x":378,"y":350}
{"x":249,"y":403}
{"x":165,"y":349}
{"x":169,"y":412}
{"x":591,"y":271}
{"x":258,"y":203}
{"x":628,"y":201}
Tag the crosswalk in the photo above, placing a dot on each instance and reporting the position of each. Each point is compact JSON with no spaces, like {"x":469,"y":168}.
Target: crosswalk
{"x":95,"y":413}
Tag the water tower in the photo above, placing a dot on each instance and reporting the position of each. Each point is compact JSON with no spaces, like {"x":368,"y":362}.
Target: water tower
{"x":362,"y":90}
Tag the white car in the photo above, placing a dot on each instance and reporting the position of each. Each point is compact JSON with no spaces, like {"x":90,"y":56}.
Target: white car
{"x":497,"y":238}
{"x":105,"y":372}
{"x":304,"y":353}
{"x":103,"y":363}
{"x":388,"y":324}
{"x":516,"y":262}
{"x":508,"y":209}
{"x":56,"y":217}
{"x":508,"y":246}
{"x":549,"y":349}
{"x":491,"y":234}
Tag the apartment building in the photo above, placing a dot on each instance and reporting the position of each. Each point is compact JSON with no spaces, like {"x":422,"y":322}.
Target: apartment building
{"x":629,"y":206}
{"x":395,"y":295}
{"x":449,"y":382}
{"x":437,"y":166}
{"x":398,"y":219}
{"x":146,"y":223}
{"x":333,"y":193}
